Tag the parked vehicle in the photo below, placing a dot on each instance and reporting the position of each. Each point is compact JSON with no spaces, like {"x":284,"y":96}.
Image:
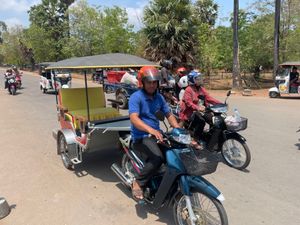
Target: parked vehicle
{"x":51,"y":82}
{"x":222,"y":135}
{"x":283,"y":85}
{"x":178,"y":183}
{"x":122,"y":92}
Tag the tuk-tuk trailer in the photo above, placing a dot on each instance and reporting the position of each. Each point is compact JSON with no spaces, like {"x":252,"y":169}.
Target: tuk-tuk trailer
{"x":86,"y":123}
{"x":51,"y":81}
{"x":283,"y":86}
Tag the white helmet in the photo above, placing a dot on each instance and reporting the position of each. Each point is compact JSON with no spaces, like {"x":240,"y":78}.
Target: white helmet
{"x":183,"y":82}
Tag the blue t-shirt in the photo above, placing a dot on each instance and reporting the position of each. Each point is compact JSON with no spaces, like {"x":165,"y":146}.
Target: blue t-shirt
{"x":146,"y":107}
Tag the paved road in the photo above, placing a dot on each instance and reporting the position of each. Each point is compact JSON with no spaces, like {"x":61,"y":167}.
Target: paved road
{"x":42,"y":192}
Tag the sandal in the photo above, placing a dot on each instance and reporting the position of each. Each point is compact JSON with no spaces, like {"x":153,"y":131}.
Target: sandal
{"x":196,"y":146}
{"x":137,"y":193}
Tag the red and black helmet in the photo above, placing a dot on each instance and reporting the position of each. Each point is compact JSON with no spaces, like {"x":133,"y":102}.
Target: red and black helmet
{"x":148,"y":73}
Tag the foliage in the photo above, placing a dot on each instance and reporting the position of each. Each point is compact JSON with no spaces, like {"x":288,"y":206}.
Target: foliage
{"x":97,"y":31}
{"x":11,"y":49}
{"x":50,"y":17}
{"x":3,"y":28}
{"x":206,"y":12}
{"x":170,"y":30}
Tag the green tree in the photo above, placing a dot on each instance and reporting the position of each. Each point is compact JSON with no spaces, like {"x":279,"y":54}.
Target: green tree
{"x":206,"y":12}
{"x":11,"y":48}
{"x":117,"y":33}
{"x":94,"y":30}
{"x":170,"y":30}
{"x":50,"y":16}
{"x":3,"y":28}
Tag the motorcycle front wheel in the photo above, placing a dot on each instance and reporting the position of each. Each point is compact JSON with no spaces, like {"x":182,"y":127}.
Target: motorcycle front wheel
{"x":207,"y":210}
{"x":236,"y":153}
{"x":13,"y":90}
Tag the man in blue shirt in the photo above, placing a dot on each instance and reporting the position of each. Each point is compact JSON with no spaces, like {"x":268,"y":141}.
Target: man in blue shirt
{"x":142,"y":107}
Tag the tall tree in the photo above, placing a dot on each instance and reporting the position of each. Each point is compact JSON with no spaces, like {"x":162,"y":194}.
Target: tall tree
{"x":276,"y":36}
{"x":206,"y":13}
{"x":236,"y":77}
{"x":3,"y":28}
{"x":170,"y":30}
{"x":50,"y":16}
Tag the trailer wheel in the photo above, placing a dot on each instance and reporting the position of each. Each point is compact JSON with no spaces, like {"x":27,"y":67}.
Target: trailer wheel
{"x":122,"y":98}
{"x":62,"y":145}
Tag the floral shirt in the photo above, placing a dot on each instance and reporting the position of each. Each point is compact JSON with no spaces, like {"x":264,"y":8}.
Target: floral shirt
{"x":190,"y":101}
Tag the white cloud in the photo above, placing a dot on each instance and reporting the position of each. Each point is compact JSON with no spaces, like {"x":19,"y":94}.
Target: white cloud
{"x":135,"y":15}
{"x":11,"y":22}
{"x":17,"y":5}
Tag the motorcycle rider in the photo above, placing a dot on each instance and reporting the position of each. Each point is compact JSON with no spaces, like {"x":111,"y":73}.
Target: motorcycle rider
{"x":142,"y":107}
{"x":8,"y":75}
{"x":165,"y":70}
{"x":195,"y":99}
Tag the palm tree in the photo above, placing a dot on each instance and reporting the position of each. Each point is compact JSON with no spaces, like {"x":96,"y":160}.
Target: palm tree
{"x":236,"y":77}
{"x":170,"y":30}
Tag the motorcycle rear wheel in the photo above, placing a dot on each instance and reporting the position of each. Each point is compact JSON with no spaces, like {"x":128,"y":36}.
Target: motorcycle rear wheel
{"x":207,"y":210}
{"x":236,"y":153}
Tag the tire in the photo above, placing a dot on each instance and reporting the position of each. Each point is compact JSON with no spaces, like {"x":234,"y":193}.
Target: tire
{"x":62,"y":145}
{"x":127,"y":167}
{"x":274,"y":94}
{"x":207,"y":210}
{"x":238,"y":157}
{"x":13,"y":90}
{"x":121,"y":97}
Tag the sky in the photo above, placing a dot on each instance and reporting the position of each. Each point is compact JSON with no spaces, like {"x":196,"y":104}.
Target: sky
{"x":14,"y":12}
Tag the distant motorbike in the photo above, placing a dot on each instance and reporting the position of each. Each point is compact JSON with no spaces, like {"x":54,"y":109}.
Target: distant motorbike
{"x":178,"y":183}
{"x":222,"y":135}
{"x":11,"y":84}
{"x":19,"y":80}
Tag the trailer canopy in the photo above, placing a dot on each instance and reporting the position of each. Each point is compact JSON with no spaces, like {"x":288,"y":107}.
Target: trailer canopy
{"x":111,"y":60}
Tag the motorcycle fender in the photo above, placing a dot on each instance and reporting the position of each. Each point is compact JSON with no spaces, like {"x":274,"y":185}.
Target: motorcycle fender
{"x":274,"y":89}
{"x":234,"y":135}
{"x":70,"y":139}
{"x":201,"y":185}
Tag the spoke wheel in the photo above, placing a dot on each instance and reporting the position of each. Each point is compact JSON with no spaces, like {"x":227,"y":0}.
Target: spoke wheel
{"x":208,"y":211}
{"x":236,"y":153}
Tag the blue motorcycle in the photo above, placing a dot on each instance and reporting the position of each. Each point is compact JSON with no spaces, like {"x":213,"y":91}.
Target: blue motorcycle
{"x":179,"y":182}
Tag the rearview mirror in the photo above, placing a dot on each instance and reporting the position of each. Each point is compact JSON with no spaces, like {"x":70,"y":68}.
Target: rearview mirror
{"x":160,"y":115}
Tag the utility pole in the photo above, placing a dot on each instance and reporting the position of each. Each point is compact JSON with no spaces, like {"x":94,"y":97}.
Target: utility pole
{"x":276,"y":36}
{"x":236,"y":77}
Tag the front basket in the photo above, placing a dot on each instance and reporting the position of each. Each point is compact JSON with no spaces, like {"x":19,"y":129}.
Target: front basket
{"x":199,"y":162}
{"x":237,"y":126}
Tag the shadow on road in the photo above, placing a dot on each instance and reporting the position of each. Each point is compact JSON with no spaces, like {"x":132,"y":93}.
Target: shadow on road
{"x":98,"y":164}
{"x":298,"y":144}
{"x":164,"y":214}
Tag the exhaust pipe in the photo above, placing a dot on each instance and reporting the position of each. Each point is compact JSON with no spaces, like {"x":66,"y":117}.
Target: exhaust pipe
{"x":117,"y":170}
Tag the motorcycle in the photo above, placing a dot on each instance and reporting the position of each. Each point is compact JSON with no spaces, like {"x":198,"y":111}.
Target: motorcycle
{"x":179,"y":182}
{"x":19,"y":80}
{"x":222,"y":135}
{"x":11,"y":84}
